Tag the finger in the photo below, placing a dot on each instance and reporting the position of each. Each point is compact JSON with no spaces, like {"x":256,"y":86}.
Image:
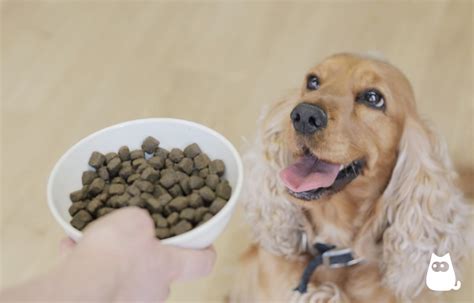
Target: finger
{"x":65,"y":246}
{"x":189,"y":264}
{"x":127,"y":221}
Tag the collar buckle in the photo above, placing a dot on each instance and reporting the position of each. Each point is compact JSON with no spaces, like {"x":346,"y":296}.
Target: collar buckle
{"x":336,"y":258}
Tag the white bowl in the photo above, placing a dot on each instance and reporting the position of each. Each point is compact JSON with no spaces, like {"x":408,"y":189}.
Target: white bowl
{"x":66,"y":174}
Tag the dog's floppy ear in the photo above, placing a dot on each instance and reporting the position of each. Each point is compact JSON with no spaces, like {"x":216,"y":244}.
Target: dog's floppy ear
{"x":275,"y":221}
{"x":423,"y":211}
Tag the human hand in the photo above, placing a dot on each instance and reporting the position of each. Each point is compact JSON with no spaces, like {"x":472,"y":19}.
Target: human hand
{"x":119,"y":259}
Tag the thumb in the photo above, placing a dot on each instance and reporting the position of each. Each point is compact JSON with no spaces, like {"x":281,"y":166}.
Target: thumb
{"x":188,"y":264}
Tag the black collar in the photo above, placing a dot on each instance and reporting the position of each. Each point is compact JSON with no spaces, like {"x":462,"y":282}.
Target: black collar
{"x":326,"y":255}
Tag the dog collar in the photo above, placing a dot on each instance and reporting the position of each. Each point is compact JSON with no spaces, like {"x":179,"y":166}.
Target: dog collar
{"x":324,"y":254}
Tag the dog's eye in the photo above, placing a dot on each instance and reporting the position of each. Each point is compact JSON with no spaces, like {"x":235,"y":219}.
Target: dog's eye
{"x":312,"y":83}
{"x":372,"y":98}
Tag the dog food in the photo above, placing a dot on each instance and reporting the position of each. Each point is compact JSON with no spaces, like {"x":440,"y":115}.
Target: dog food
{"x":181,"y":189}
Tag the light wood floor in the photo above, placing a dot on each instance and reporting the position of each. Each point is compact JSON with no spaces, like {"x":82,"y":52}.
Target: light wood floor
{"x":69,"y":68}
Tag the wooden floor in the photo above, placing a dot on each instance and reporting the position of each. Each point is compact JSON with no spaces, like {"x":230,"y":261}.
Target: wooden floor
{"x":69,"y":68}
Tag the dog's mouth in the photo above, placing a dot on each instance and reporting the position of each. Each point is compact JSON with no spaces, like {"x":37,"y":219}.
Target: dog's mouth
{"x":310,"y":178}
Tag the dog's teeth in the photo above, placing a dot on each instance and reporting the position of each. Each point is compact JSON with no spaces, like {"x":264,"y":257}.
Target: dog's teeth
{"x":342,"y":167}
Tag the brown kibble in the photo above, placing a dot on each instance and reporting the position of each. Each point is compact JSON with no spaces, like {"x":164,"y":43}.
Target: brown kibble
{"x":203,"y":173}
{"x":150,"y":174}
{"x":176,"y":155}
{"x":164,"y":199}
{"x":157,"y":162}
{"x":184,"y":184}
{"x":195,"y":200}
{"x":169,"y":163}
{"x":136,"y":201}
{"x":123,"y":200}
{"x":196,"y":182}
{"x":199,"y":213}
{"x":182,"y":227}
{"x":103,"y":173}
{"x":77,"y":195}
{"x":96,"y":187}
{"x":112,"y":201}
{"x":167,"y":211}
{"x":217,"y":205}
{"x":110,"y":156}
{"x":201,"y":161}
{"x":142,"y":167}
{"x":133,"y":190}
{"x":96,"y":160}
{"x":179,"y":188}
{"x":118,"y":180}
{"x":175,"y":191}
{"x":106,"y":188}
{"x":138,"y":162}
{"x":103,"y":211}
{"x":104,"y":195}
{"x":212,"y":181}
{"x":132,"y":178}
{"x":172,"y":218}
{"x":206,"y":217}
{"x":77,"y":206}
{"x":168,"y":179}
{"x":192,"y":150}
{"x":145,"y":186}
{"x":207,"y":194}
{"x":78,"y":224}
{"x":187,"y":214}
{"x":116,"y":189}
{"x":159,"y":220}
{"x":88,"y":176}
{"x":114,"y":166}
{"x":124,"y":153}
{"x":223,"y":190}
{"x":217,"y":167}
{"x":162,"y":153}
{"x":150,"y":145}
{"x":159,"y":190}
{"x":153,"y":204}
{"x":180,"y":175}
{"x":162,"y":233}
{"x":126,"y":172}
{"x":94,"y":206}
{"x":186,"y":165}
{"x":146,"y":196}
{"x":81,"y":219}
{"x":168,"y":171}
{"x":178,"y":203}
{"x":137,"y":154}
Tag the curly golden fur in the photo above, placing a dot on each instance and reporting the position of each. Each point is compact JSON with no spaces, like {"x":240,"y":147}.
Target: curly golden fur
{"x":403,"y":207}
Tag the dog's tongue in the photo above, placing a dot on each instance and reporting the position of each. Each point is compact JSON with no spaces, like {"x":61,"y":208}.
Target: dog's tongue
{"x":309,"y":173}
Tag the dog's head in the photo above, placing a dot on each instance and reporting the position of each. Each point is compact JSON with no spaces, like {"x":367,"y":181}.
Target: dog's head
{"x":344,"y":127}
{"x":351,"y":144}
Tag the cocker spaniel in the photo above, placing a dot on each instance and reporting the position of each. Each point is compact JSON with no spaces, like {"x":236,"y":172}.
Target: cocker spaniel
{"x":347,"y":166}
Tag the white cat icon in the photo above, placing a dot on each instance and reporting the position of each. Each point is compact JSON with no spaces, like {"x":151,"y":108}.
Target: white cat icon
{"x":440,"y":275}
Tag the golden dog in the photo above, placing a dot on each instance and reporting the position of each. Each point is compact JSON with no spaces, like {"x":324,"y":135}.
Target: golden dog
{"x":347,"y":161}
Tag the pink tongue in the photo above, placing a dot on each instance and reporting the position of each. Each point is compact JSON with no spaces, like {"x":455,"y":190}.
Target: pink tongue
{"x":309,"y":173}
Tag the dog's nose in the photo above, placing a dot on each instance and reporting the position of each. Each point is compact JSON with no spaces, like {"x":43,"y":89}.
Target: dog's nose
{"x":308,"y":118}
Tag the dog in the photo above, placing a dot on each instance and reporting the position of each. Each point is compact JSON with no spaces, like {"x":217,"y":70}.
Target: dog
{"x":348,"y":164}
